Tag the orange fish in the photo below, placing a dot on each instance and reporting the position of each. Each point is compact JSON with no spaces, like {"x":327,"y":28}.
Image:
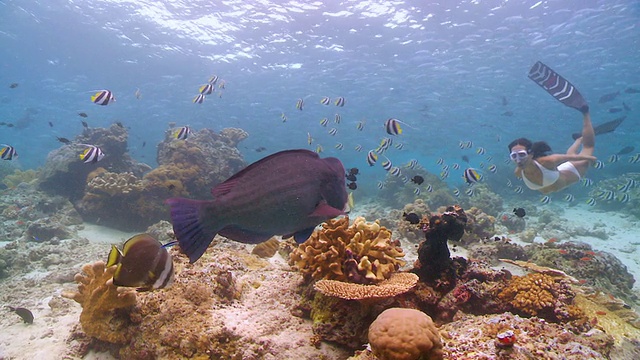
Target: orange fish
{"x":601,"y":313}
{"x":590,"y":253}
{"x":585,"y":258}
{"x":563,"y":251}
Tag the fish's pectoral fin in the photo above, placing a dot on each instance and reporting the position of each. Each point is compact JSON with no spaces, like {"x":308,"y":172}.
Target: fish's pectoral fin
{"x":301,"y":236}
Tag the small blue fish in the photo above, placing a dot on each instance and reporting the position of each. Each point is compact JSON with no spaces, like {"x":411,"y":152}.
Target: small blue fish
{"x":634,"y":159}
{"x":339,"y":146}
{"x":399,"y":146}
{"x":360,"y":125}
{"x":358,"y":148}
{"x":319,"y":149}
{"x":283,"y":117}
{"x":395,"y":171}
{"x":324,"y":122}
{"x":586,"y":182}
{"x":493,"y":168}
{"x":339,"y":101}
{"x":412,"y":164}
{"x":416,"y":191}
{"x":469,"y":192}
{"x":509,"y":183}
{"x":455,"y":166}
{"x":387,"y":164}
{"x":337,"y":118}
{"x":518,"y":189}
{"x":325,"y":100}
{"x":429,"y":188}
{"x":456,"y":192}
{"x":333,"y":131}
{"x":545,"y":200}
{"x":309,"y":138}
{"x":481,"y":151}
{"x":300,"y":104}
{"x":569,"y":198}
{"x":213,"y":80}
{"x":614,"y":158}
{"x":591,"y":202}
{"x":598,"y":164}
{"x":380,"y":185}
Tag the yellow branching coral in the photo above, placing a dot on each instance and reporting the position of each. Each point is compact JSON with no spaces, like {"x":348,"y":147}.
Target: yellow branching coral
{"x":361,"y":253}
{"x":99,"y":299}
{"x":538,"y":294}
{"x":114,"y":183}
{"x":398,"y":283}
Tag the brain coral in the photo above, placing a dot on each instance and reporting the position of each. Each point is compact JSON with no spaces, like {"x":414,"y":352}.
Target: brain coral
{"x":404,"y":334}
{"x":361,"y":253}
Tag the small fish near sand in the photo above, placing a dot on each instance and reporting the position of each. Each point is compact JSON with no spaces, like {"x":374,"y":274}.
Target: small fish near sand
{"x":519,"y":212}
{"x":143,"y":263}
{"x":25,"y":314}
{"x":287,"y":193}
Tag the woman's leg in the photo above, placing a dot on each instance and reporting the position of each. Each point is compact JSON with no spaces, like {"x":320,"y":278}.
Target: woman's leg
{"x":588,"y":136}
{"x":588,"y":144}
{"x":575,"y":148}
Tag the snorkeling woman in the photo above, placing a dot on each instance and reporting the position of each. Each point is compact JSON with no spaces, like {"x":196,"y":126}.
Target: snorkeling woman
{"x":553,"y":172}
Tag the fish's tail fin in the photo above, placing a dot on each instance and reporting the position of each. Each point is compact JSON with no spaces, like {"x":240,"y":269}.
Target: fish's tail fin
{"x":558,"y":87}
{"x":193,"y":235}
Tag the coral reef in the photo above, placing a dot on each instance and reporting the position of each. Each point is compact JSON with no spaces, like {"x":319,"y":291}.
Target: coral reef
{"x":100,"y":301}
{"x":433,"y":253}
{"x":188,"y":168}
{"x":361,"y":253}
{"x":404,"y":334}
{"x":19,"y":176}
{"x":479,"y":226}
{"x":483,"y":198}
{"x":543,"y":296}
{"x":197,"y":164}
{"x":396,"y":193}
{"x":65,"y":174}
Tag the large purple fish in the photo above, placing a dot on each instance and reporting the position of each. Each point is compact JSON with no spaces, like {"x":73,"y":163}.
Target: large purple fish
{"x":287,"y":193}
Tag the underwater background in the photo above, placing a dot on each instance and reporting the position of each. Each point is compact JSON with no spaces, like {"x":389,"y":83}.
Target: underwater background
{"x":452,"y":73}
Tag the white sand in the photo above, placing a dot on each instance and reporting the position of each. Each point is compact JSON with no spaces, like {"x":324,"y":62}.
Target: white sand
{"x":101,"y":234}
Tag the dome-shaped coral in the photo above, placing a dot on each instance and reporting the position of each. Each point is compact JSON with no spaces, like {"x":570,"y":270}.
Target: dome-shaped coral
{"x":404,"y":334}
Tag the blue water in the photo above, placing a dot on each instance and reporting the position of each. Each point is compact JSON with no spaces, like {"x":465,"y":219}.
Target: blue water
{"x":442,"y":69}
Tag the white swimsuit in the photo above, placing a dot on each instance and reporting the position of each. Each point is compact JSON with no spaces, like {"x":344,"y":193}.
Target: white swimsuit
{"x":549,"y":177}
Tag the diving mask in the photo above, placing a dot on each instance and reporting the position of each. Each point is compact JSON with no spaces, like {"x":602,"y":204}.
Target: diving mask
{"x":519,"y":155}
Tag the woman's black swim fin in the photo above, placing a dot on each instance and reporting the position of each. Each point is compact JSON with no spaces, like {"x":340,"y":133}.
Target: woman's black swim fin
{"x":558,"y":87}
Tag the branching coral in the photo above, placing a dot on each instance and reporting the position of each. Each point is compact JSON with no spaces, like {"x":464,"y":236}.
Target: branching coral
{"x":114,"y":183}
{"x":100,"y":300}
{"x":361,"y":253}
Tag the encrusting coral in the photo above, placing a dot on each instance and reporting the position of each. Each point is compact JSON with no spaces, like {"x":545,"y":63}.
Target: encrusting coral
{"x":404,"y":334}
{"x":398,"y":283}
{"x":100,"y":300}
{"x":362,"y":253}
{"x":541,"y":295}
